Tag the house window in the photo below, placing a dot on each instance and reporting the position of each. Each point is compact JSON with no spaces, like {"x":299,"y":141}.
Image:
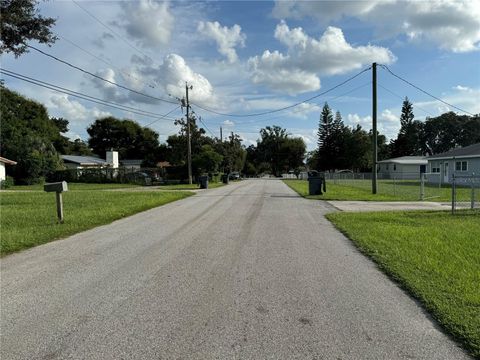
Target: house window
{"x":387,"y":167}
{"x":435,"y":168}
{"x":461,"y":166}
{"x":394,"y":167}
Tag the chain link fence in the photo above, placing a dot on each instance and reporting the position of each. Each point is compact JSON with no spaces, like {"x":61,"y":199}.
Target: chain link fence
{"x":465,"y":192}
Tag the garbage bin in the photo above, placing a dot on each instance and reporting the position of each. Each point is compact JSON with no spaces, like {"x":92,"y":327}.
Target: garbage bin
{"x":203,"y":180}
{"x":316,"y":181}
{"x":225,"y":178}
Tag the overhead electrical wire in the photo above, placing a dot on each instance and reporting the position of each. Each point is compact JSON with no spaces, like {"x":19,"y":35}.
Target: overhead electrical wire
{"x":400,"y":97}
{"x":385,"y":67}
{"x":285,"y":107}
{"x":90,"y":98}
{"x":99,"y":77}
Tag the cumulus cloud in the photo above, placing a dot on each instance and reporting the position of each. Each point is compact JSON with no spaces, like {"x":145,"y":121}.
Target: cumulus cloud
{"x":149,"y":22}
{"x":228,"y":123}
{"x":109,"y":91}
{"x":450,"y":24}
{"x":226,"y":38}
{"x":173,"y":74}
{"x":298,"y":70}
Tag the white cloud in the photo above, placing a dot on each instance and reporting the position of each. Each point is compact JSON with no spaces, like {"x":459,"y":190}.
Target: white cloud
{"x":387,"y":115}
{"x":226,"y":38}
{"x":297,"y":70}
{"x":450,"y":24}
{"x":228,"y":123}
{"x":151,"y":23}
{"x":173,"y":74}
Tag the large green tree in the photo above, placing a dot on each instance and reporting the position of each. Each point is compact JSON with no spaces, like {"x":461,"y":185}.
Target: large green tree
{"x":131,"y":140}
{"x":27,"y":136}
{"x":408,"y":141}
{"x":20,"y":21}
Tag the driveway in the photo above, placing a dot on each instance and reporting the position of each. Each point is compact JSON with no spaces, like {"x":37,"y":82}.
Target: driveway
{"x":246,"y":271}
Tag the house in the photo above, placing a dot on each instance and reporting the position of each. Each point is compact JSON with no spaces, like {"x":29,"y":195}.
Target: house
{"x":3,"y":162}
{"x":83,"y":162}
{"x":403,"y":168}
{"x":461,"y":161}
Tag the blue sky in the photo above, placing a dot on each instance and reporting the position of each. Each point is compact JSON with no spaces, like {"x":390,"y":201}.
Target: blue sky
{"x":249,"y":57}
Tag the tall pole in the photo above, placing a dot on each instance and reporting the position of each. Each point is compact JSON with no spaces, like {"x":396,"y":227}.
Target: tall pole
{"x":374,"y":127}
{"x":221,"y":134}
{"x":189,"y":138}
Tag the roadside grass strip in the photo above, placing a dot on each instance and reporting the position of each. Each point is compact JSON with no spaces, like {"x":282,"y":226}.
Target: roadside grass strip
{"x":76,"y":186}
{"x":29,"y":218}
{"x":362,"y":191}
{"x":434,"y":255}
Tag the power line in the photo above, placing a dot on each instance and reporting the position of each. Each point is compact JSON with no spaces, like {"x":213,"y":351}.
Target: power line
{"x":106,"y":62}
{"x":285,"y":107}
{"x":111,"y":30}
{"x":87,"y":97}
{"x":211,"y":132}
{"x":400,"y":97}
{"x":385,"y":67}
{"x":163,"y":116}
{"x":99,"y":77}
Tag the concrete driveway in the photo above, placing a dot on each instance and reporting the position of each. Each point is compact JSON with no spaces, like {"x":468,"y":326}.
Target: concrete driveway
{"x":247,"y":271}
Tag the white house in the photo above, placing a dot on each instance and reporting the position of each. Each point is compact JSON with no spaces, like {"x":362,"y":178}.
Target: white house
{"x":402,"y":168}
{"x":82,"y":162}
{"x":461,"y":161}
{"x":3,"y":162}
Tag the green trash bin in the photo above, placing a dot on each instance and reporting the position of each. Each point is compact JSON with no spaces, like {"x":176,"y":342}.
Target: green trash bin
{"x":225,"y":178}
{"x":203,"y":181}
{"x":316,"y":183}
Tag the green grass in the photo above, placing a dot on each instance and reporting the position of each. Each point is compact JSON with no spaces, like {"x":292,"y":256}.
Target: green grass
{"x":434,"y":255}
{"x":211,"y":185}
{"x":29,"y":218}
{"x":76,"y":186}
{"x":387,"y":191}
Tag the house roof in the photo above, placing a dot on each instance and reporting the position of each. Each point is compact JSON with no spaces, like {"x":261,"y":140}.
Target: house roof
{"x":7,"y":161}
{"x":467,"y":151}
{"x":406,"y":160}
{"x":84,"y":160}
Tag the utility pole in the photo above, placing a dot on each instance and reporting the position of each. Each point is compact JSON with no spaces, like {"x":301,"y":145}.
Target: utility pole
{"x":374,"y":127}
{"x":189,"y":137}
{"x":221,"y":134}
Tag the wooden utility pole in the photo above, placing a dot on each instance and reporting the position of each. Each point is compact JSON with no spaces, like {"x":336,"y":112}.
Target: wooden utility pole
{"x":221,"y":134}
{"x":374,"y":127}
{"x":189,"y":137}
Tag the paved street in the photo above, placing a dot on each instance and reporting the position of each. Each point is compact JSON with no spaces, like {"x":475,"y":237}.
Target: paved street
{"x":247,"y":271}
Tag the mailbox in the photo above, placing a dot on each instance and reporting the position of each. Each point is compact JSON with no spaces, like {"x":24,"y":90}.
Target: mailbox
{"x":56,"y":187}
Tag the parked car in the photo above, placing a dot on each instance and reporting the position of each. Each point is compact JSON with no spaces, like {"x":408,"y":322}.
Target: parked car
{"x":234,"y":176}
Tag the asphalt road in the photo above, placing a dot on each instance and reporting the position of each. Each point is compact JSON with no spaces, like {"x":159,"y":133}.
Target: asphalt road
{"x":247,"y":271}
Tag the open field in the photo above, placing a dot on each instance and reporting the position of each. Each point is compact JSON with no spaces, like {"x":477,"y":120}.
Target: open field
{"x":29,"y":218}
{"x":387,"y":191}
{"x":434,"y":255}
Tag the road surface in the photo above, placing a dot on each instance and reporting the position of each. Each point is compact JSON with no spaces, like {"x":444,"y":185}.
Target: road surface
{"x":247,"y":271}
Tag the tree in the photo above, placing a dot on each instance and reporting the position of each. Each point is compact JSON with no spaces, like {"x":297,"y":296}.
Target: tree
{"x":208,"y":160}
{"x":279,"y":151}
{"x":326,"y":145}
{"x":448,"y":131}
{"x":27,"y":135}
{"x":20,"y":22}
{"x":131,"y":140}
{"x":233,"y":152}
{"x":408,"y":140}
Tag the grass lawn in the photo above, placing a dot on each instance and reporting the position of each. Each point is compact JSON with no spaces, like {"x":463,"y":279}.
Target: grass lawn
{"x":211,"y":185}
{"x":434,"y":255}
{"x":76,"y":186}
{"x":29,"y":218}
{"x":387,"y":191}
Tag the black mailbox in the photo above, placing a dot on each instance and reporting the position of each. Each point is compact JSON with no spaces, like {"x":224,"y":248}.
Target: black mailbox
{"x":56,"y":187}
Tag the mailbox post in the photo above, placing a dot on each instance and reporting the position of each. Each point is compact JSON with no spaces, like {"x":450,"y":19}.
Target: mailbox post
{"x":58,"y":188}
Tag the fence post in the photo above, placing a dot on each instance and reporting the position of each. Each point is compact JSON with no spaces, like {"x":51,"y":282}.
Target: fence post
{"x":472,"y":200}
{"x":422,"y":187}
{"x":394,"y":186}
{"x":453,"y":194}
